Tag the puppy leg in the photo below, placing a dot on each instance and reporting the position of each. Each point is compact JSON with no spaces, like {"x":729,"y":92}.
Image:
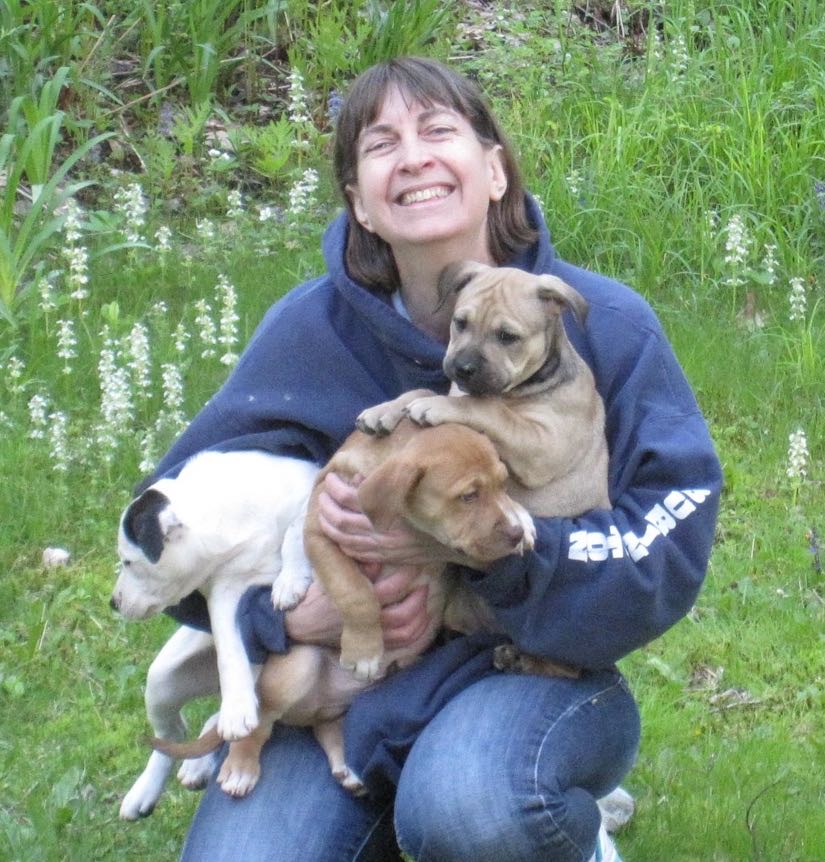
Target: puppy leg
{"x":362,"y":641}
{"x":242,"y":768}
{"x":382,"y":418}
{"x":296,"y":573}
{"x":182,"y":670}
{"x":330,"y":736}
{"x":239,"y":703}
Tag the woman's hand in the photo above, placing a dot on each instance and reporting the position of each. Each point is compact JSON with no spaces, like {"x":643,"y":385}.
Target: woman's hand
{"x":343,"y":521}
{"x":403,"y":609}
{"x":404,"y":618}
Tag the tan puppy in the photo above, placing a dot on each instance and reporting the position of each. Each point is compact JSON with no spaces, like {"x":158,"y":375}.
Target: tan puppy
{"x":449,"y":483}
{"x":521,"y":383}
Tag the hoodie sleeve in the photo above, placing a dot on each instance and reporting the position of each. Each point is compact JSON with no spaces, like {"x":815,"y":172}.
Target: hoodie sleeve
{"x":599,"y":586}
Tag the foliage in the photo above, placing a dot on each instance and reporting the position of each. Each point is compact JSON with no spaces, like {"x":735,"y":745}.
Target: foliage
{"x":677,"y":148}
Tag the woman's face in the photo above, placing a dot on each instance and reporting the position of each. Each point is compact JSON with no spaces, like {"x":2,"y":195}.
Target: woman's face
{"x":424,"y":178}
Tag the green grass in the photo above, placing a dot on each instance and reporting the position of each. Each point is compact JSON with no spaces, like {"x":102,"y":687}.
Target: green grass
{"x":632,"y":143}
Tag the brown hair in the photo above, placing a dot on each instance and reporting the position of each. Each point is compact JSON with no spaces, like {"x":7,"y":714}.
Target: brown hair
{"x":369,"y":259}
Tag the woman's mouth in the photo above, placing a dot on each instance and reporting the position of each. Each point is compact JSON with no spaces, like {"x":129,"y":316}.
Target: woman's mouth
{"x":420,"y":195}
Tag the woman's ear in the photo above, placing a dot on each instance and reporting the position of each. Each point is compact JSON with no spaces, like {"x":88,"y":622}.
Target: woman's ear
{"x":358,"y":207}
{"x":498,"y":173}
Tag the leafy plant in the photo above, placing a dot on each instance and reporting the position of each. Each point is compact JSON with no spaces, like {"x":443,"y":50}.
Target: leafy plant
{"x":21,"y":241}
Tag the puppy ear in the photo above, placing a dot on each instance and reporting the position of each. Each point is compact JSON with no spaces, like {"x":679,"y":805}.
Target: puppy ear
{"x":557,"y":292}
{"x":142,"y":523}
{"x":454,"y":277}
{"x":385,"y":493}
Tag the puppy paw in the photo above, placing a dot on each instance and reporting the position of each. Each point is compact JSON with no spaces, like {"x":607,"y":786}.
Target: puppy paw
{"x":349,"y":781}
{"x":237,"y":718}
{"x":238,"y":779}
{"x":288,"y":590}
{"x":434,"y":410}
{"x":364,"y":669}
{"x":379,"y":420}
{"x":529,"y":527}
{"x":194,"y":774}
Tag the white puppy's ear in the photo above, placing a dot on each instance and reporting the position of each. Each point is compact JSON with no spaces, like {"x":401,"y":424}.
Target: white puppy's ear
{"x":171,"y":526}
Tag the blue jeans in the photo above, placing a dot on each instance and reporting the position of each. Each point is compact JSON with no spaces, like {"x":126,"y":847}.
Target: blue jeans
{"x":510,"y":769}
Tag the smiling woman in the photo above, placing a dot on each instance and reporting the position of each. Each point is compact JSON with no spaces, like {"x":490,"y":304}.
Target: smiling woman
{"x":429,"y":180}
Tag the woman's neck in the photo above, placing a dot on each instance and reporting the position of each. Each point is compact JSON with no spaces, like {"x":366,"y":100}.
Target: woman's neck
{"x":419,"y":289}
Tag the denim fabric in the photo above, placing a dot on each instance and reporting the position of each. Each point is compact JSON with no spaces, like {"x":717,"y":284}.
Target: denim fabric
{"x":510,"y":769}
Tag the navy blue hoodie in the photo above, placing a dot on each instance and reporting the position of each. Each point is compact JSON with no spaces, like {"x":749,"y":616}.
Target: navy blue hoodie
{"x":594,"y":588}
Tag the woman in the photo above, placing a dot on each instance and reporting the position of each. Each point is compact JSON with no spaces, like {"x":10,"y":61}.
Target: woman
{"x":462,"y":763}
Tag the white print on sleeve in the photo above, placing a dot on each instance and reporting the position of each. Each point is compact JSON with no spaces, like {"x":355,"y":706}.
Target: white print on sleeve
{"x":596,"y":547}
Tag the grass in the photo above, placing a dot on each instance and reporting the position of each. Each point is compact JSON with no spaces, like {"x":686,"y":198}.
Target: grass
{"x":642,"y":143}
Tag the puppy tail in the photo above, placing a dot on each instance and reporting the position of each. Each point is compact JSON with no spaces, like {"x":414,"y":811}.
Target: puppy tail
{"x":204,"y":744}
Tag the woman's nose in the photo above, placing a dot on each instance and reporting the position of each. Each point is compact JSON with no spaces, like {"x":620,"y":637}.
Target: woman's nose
{"x":414,"y":155}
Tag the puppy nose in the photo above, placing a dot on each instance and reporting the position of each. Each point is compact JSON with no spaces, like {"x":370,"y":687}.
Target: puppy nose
{"x":465,"y":369}
{"x":514,"y":533}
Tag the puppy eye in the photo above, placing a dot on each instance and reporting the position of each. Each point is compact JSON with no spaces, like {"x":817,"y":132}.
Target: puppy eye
{"x":469,"y":497}
{"x":506,"y":337}
{"x":460,"y":324}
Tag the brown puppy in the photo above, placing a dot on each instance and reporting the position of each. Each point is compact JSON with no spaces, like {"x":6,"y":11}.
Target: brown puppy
{"x":449,"y":483}
{"x":521,"y":383}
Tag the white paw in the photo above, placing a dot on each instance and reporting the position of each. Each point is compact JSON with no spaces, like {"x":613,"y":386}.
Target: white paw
{"x":141,"y":799}
{"x":238,"y":717}
{"x":288,"y":590}
{"x":194,"y":774}
{"x":529,"y":527}
{"x":365,"y":669}
{"x":350,"y":781}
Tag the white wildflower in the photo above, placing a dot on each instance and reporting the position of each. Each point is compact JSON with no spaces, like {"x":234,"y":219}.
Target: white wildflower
{"x":797,"y":455}
{"x":38,"y":416}
{"x":131,"y":203}
{"x":58,"y":435}
{"x":205,"y":228}
{"x":158,"y":310}
{"x":172,"y":396}
{"x":738,"y":244}
{"x":147,"y":452}
{"x":206,"y":328}
{"x":228,"y":336}
{"x":180,"y":337}
{"x":798,"y":300}
{"x":116,"y":407}
{"x":78,"y":259}
{"x":574,"y":182}
{"x":66,"y":344}
{"x":266,"y":214}
{"x":163,"y":238}
{"x":770,"y":263}
{"x":46,"y":293}
{"x":302,"y":194}
{"x":140,"y":354}
{"x":14,"y":372}
{"x":234,"y":201}
{"x":72,"y":225}
{"x":298,"y":109}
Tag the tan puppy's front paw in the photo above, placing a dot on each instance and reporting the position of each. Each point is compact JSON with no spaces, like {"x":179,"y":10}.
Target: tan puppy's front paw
{"x":349,"y":781}
{"x":238,"y":717}
{"x":529,"y":527}
{"x":434,"y":410}
{"x":365,"y":669}
{"x":380,"y":420}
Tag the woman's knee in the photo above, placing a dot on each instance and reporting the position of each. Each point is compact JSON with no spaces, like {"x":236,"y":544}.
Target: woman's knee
{"x":511,"y":769}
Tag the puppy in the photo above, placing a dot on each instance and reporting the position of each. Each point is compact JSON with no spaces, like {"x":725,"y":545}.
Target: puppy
{"x":227,"y":522}
{"x":521,"y":383}
{"x":448,"y":482}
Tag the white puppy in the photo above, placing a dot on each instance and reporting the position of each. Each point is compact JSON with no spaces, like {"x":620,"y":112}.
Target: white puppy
{"x":229,"y":521}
